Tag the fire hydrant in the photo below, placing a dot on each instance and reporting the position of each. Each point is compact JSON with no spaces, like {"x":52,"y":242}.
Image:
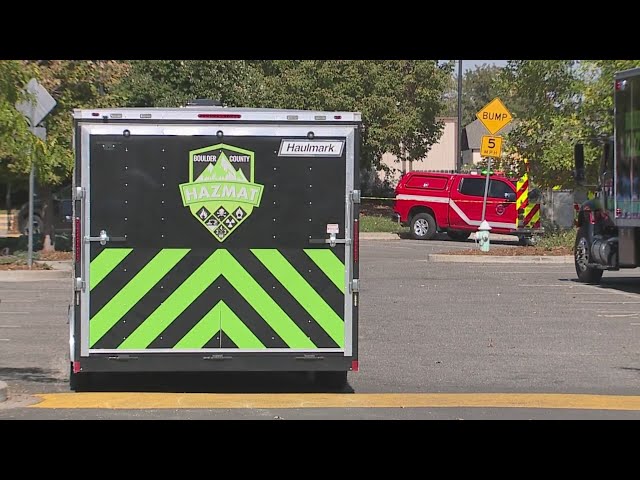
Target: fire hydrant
{"x":482,"y":236}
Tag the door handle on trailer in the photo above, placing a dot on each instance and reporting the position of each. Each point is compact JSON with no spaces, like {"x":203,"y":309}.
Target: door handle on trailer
{"x":104,"y":238}
{"x":332,"y":240}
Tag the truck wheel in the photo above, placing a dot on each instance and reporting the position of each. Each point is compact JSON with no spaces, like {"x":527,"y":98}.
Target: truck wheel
{"x":332,"y":380}
{"x":423,"y":226}
{"x":586,"y":274}
{"x":458,"y":235}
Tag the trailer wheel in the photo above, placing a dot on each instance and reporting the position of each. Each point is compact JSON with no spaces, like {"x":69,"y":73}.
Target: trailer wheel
{"x":586,"y":274}
{"x":458,"y":235}
{"x":423,"y":226}
{"x":332,"y":380}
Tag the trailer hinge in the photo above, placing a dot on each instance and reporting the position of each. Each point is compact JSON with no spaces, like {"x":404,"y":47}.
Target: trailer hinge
{"x":310,"y":356}
{"x":78,"y":284}
{"x":355,"y":285}
{"x":78,"y":193}
{"x":218,"y":356}
{"x":355,"y":196}
{"x":122,"y":358}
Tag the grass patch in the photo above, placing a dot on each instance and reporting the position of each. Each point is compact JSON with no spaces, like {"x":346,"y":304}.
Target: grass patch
{"x":373,"y":223}
{"x":18,"y":261}
{"x":562,"y":238}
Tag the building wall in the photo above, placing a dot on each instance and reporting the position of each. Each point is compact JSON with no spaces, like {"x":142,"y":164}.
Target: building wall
{"x":442,"y":155}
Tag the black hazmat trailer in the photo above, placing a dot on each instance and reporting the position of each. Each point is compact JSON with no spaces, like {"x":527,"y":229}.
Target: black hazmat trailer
{"x":608,"y":236}
{"x":215,"y":239}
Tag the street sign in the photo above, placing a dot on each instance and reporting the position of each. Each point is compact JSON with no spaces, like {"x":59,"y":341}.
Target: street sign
{"x":494,"y":116}
{"x":491,"y":146}
{"x":37,"y":105}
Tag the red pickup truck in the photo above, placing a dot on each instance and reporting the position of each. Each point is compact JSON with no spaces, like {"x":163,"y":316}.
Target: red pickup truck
{"x":432,"y":202}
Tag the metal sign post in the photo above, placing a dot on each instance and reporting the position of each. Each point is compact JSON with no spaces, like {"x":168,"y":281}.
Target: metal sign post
{"x":37,"y":105}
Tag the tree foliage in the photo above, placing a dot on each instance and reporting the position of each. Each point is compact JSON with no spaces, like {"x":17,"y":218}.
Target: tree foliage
{"x":399,"y":100}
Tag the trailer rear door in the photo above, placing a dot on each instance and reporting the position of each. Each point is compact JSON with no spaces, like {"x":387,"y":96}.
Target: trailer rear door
{"x":216,"y":239}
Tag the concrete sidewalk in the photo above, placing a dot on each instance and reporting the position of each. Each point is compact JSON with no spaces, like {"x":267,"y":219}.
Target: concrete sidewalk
{"x":442,"y":257}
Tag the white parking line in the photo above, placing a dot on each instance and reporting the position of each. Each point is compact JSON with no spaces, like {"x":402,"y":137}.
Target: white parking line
{"x":10,"y":326}
{"x":4,"y":339}
{"x":617,"y":303}
{"x":620,"y":315}
{"x":16,"y":313}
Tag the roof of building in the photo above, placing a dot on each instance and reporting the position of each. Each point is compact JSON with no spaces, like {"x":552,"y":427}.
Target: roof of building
{"x":476,"y":130}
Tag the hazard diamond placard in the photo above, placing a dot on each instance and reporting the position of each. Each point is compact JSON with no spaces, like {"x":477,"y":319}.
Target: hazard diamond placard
{"x":494,"y":116}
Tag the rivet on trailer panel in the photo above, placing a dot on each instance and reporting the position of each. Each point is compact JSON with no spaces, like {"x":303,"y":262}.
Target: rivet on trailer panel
{"x":126,"y":168}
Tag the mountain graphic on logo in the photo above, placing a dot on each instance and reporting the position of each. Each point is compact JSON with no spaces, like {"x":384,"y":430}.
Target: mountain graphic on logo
{"x":221,"y":171}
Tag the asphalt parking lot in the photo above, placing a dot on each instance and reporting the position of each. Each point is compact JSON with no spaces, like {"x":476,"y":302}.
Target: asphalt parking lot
{"x":434,"y":338}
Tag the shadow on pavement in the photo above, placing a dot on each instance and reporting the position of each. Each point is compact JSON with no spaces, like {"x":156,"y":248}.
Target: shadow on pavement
{"x":444,"y":237}
{"x":621,"y":284}
{"x":208,"y":382}
{"x":29,"y":374}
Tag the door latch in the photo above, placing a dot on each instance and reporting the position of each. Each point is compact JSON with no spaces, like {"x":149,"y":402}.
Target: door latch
{"x":104,"y":238}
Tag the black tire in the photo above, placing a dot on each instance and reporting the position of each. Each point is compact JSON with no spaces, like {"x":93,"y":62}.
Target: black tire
{"x":423,"y":226}
{"x":528,"y":241}
{"x":331,"y":380}
{"x":458,"y":235}
{"x":581,"y":249}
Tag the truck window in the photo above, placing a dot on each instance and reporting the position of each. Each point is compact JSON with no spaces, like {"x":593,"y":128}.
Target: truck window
{"x":498,"y":189}
{"x":472,"y":186}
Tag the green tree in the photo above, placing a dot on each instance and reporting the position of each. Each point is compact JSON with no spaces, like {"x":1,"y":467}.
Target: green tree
{"x":399,"y":100}
{"x":545,"y":97}
{"x":16,"y":141}
{"x":479,"y":87}
{"x":73,"y":84}
{"x":171,"y":83}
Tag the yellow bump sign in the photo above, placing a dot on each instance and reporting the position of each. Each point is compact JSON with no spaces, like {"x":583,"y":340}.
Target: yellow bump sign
{"x":494,"y":116}
{"x":491,"y":146}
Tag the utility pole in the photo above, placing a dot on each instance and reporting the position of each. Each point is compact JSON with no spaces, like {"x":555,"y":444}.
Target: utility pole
{"x":459,"y":144}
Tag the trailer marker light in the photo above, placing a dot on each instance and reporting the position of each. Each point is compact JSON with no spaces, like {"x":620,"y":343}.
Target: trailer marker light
{"x":354,"y":365}
{"x":76,"y":367}
{"x":337,"y":117}
{"x":219,"y":115}
{"x":95,"y":114}
{"x":356,"y":241}
{"x":145,"y":115}
{"x":116,"y":115}
{"x":320,"y":117}
{"x":77,"y":239}
{"x":292,"y":117}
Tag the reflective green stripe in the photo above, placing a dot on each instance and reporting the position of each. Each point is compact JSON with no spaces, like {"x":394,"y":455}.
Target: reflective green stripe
{"x":330,"y":265}
{"x":269,"y":310}
{"x":133,"y":291}
{"x":106,"y":261}
{"x":306,"y":296}
{"x":236,"y":330}
{"x":173,"y":306}
{"x":202,"y":331}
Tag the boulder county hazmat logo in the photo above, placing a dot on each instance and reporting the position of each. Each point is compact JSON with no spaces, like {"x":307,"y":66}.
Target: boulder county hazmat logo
{"x":221,"y":193}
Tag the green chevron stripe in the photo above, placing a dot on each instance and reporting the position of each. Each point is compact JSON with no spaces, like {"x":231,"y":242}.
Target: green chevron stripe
{"x":133,"y":291}
{"x":330,"y":265}
{"x":106,"y":261}
{"x":305,"y":295}
{"x":237,"y":331}
{"x":173,"y":306}
{"x":202,"y":331}
{"x":262,"y":303}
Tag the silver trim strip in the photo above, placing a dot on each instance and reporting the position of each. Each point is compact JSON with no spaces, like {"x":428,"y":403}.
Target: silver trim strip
{"x":192,"y":114}
{"x":85,"y":161}
{"x":215,"y":350}
{"x":348,"y":234}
